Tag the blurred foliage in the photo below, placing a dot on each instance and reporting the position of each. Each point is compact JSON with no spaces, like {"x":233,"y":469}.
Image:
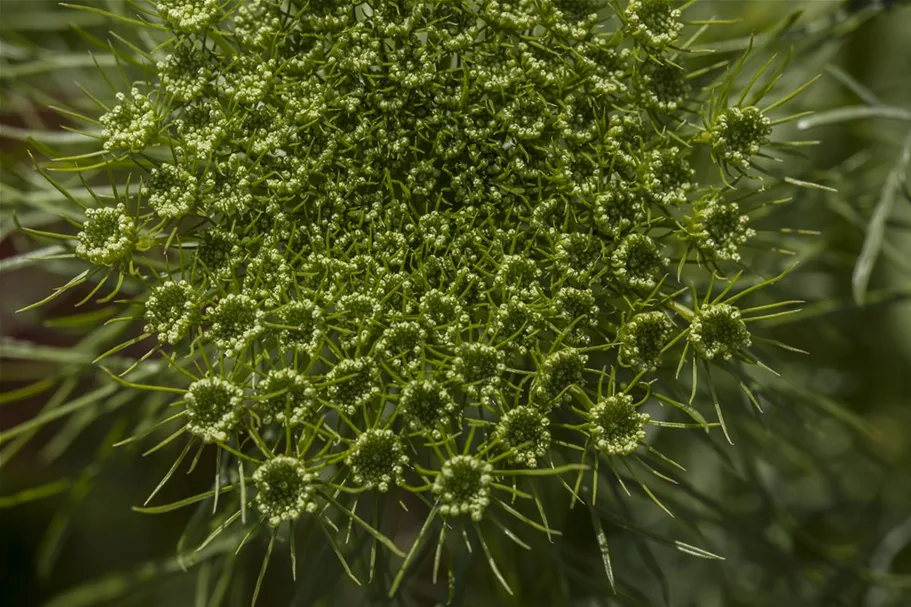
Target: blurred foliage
{"x":809,"y":507}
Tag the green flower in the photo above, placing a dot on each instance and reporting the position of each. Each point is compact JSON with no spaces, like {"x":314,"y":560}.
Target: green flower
{"x":463,"y":487}
{"x":108,"y":236}
{"x":132,"y":123}
{"x":171,"y":309}
{"x":377,"y":459}
{"x":285,"y":490}
{"x":718,"y":330}
{"x":738,"y":134}
{"x":616,"y":428}
{"x":524,"y":431}
{"x":214,"y":408}
{"x":642,"y":338}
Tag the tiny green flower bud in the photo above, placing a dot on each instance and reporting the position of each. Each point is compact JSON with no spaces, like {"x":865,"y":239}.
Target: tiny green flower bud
{"x":663,"y":86}
{"x":479,"y":364}
{"x":285,"y":490}
{"x":463,"y":487}
{"x":171,"y":310}
{"x":219,"y":251}
{"x":185,"y":73}
{"x":377,"y":459}
{"x":616,"y":427}
{"x":214,"y":408}
{"x":718,"y":330}
{"x":108,"y":236}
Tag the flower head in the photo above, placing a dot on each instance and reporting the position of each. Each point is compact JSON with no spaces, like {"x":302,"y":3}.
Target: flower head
{"x":108,"y":236}
{"x":524,"y":431}
{"x":285,"y":490}
{"x":463,"y":486}
{"x":214,"y":407}
{"x":642,"y":338}
{"x":171,"y":310}
{"x":131,"y":124}
{"x":616,"y":427}
{"x":718,"y":330}
{"x":377,"y":459}
{"x":739,"y":134}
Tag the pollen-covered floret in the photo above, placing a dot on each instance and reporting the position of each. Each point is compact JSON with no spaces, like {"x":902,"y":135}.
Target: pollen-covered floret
{"x":307,"y":318}
{"x":653,"y":23}
{"x":739,"y":134}
{"x":642,"y":338}
{"x":463,"y":486}
{"x":559,"y":371}
{"x":171,"y":310}
{"x":236,"y":321}
{"x":637,"y":262}
{"x":172,"y":191}
{"x":524,"y":431}
{"x":353,"y":382}
{"x":288,"y":397}
{"x":427,"y":405}
{"x":719,"y":330}
{"x":214,"y":407}
{"x":108,"y":236}
{"x":131,"y":124}
{"x":188,"y":16}
{"x":477,"y":365}
{"x":616,"y":427}
{"x":285,"y":490}
{"x":377,"y":459}
{"x":719,"y":229}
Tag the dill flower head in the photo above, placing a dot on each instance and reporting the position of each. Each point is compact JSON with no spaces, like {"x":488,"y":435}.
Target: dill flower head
{"x":214,"y":407}
{"x":524,"y":431}
{"x":284,"y":489}
{"x":377,"y":459}
{"x":616,"y":427}
{"x":642,"y":338}
{"x":171,"y":309}
{"x":108,"y":236}
{"x":131,"y":124}
{"x":739,"y":134}
{"x":718,"y":330}
{"x":463,"y":487}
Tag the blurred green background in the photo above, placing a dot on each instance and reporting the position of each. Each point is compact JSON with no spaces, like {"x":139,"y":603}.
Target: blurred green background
{"x":812,"y":506}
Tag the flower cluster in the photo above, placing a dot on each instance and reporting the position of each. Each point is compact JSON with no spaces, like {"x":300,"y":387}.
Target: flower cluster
{"x":403,"y":244}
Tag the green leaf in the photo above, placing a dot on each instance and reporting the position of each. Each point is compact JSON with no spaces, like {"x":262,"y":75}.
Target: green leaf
{"x":877,"y":228}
